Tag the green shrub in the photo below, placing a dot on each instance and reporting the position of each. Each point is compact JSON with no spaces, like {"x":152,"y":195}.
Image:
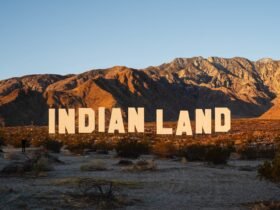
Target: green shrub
{"x":194,"y":152}
{"x":52,"y":145}
{"x":270,"y":170}
{"x":129,"y":148}
{"x":210,"y":153}
{"x":256,"y":152}
{"x":217,"y":154}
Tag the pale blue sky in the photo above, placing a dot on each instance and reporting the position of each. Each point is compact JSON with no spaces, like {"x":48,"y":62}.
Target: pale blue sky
{"x":71,"y":36}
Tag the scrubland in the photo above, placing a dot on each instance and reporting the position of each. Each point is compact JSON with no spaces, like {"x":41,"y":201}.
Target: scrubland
{"x":235,"y":170}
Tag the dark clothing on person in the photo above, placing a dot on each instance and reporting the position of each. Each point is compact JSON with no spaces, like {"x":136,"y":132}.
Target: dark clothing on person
{"x":23,"y":145}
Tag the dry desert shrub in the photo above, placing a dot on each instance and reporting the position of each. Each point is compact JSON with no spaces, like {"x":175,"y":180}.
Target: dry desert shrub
{"x":91,"y":193}
{"x":52,"y":145}
{"x":144,"y":165}
{"x":252,"y":152}
{"x":32,"y":165}
{"x":264,"y":205}
{"x":79,"y":147}
{"x":165,"y":149}
{"x":215,"y":154}
{"x":14,"y":135}
{"x":194,"y":152}
{"x":94,"y":165}
{"x":41,"y":165}
{"x":101,"y":188}
{"x":131,"y":148}
{"x":103,"y":146}
{"x":270,"y":170}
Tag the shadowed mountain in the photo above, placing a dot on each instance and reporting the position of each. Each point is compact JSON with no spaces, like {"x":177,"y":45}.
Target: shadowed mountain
{"x":247,"y":88}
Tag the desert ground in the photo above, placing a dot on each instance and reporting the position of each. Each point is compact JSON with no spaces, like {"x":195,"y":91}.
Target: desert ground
{"x":98,"y":179}
{"x":174,"y":184}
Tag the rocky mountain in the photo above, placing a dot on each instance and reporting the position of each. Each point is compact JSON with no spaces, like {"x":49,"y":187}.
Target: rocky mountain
{"x":248,"y":88}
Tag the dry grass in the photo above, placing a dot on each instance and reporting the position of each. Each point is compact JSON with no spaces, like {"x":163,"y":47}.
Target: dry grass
{"x":94,"y":165}
{"x":144,"y":165}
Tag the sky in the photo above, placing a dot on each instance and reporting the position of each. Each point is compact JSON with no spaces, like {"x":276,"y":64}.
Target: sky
{"x":71,"y":36}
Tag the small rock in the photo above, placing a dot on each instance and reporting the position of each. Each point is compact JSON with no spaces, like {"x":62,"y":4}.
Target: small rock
{"x":124,"y":162}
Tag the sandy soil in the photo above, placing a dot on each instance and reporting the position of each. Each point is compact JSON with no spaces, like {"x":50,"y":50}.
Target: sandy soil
{"x":174,"y":185}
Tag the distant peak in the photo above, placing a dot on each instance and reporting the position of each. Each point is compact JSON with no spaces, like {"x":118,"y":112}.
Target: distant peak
{"x":185,"y":59}
{"x":265,"y":60}
{"x":211,"y":59}
{"x":119,"y":68}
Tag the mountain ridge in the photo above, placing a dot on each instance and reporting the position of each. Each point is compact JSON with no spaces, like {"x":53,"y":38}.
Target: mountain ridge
{"x":248,"y":88}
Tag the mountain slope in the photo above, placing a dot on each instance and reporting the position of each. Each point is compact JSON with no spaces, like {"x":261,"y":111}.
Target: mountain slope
{"x":246,"y":87}
{"x":274,"y":112}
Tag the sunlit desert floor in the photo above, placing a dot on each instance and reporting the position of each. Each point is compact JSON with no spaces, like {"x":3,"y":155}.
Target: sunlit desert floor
{"x":174,"y":184}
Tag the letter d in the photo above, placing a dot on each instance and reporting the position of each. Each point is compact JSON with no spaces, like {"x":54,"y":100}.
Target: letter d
{"x":219,"y":114}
